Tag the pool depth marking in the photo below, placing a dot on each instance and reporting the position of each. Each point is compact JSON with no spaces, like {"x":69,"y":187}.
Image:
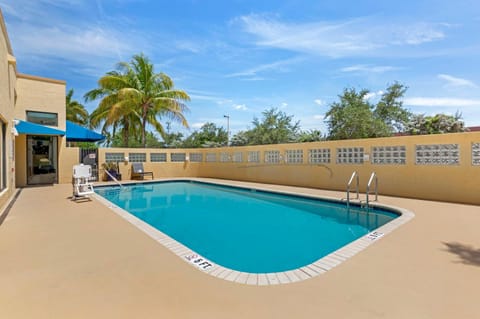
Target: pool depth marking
{"x":374,"y":235}
{"x":314,"y":269}
{"x":199,"y":261}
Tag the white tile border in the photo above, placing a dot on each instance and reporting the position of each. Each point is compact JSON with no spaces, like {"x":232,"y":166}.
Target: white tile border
{"x":314,"y":269}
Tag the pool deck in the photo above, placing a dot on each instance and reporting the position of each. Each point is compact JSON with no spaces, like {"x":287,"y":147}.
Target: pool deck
{"x":65,"y":259}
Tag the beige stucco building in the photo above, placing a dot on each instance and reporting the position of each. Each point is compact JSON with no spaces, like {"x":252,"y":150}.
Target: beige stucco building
{"x":39,"y":101}
{"x":8,"y":95}
{"x":28,"y":156}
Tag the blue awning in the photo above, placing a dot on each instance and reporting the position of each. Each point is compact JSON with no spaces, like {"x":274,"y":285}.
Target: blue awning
{"x":24,"y":127}
{"x":77,"y":133}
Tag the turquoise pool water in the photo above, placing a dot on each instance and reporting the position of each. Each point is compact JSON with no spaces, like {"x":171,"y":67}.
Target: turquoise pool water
{"x":246,"y":230}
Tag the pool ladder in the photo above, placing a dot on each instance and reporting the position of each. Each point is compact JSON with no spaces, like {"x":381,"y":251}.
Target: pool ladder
{"x":115,"y":180}
{"x":355,"y":177}
{"x":352,"y":178}
{"x":373,"y":178}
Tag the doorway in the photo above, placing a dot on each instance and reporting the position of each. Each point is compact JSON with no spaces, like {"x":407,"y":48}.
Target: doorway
{"x":41,"y":159}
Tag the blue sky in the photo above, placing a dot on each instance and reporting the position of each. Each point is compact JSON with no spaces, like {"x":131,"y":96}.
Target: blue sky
{"x":242,"y":57}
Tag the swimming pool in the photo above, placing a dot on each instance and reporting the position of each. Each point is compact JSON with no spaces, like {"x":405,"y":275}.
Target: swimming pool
{"x":247,"y":230}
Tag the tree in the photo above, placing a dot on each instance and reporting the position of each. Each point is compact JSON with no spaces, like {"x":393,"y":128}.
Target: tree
{"x":240,"y":139}
{"x":112,"y":111}
{"x":209,"y":135}
{"x":274,"y":128}
{"x":172,"y":140}
{"x":310,"y":136}
{"x":390,"y":108}
{"x":138,"y":96}
{"x":437,"y":124}
{"x":151,"y":141}
{"x":154,"y":93}
{"x":355,"y":117}
{"x":351,"y":117}
{"x":76,"y":112}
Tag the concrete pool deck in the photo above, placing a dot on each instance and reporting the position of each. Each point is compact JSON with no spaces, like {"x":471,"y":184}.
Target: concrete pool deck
{"x":64,"y":259}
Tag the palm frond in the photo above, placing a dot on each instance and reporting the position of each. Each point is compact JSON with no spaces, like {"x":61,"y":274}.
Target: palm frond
{"x":134,"y":96}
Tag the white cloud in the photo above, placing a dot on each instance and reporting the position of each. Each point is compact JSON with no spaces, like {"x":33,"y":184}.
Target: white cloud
{"x":312,"y":122}
{"x":372,"y":95}
{"x":224,"y":101}
{"x":190,"y":46}
{"x":196,"y":96}
{"x":283,"y":105}
{"x":71,"y":43}
{"x":26,"y":9}
{"x":319,"y":102}
{"x":208,"y":96}
{"x":339,"y":38}
{"x":419,"y":33}
{"x":73,"y":34}
{"x":241,"y":107}
{"x":278,"y":66}
{"x":197,"y":125}
{"x":441,"y":102}
{"x":255,"y":78}
{"x":361,"y":68}
{"x":454,"y":81}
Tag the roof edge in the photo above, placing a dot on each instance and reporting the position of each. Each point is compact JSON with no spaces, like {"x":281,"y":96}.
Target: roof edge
{"x":39,"y":78}
{"x":3,"y":26}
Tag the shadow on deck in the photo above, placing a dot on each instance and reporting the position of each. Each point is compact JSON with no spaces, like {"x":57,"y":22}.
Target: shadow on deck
{"x":468,"y":254}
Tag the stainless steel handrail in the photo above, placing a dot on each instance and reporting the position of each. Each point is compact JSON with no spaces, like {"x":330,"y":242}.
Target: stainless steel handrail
{"x":373,"y":177}
{"x":354,"y":174}
{"x":114,"y":179}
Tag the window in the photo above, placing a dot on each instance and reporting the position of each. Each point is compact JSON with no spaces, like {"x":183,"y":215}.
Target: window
{"x":114,"y":157}
{"x":196,"y":157}
{"x":137,"y":157}
{"x":294,"y":156}
{"x":42,"y":118}
{"x":389,"y":155}
{"x":350,"y":155}
{"x":437,"y":154}
{"x":225,"y":157}
{"x":319,"y":155}
{"x":158,"y":157}
{"x":254,"y":157}
{"x":177,"y":157}
{"x":211,"y":157}
{"x":238,"y":157}
{"x":476,"y":154}
{"x":272,"y":157}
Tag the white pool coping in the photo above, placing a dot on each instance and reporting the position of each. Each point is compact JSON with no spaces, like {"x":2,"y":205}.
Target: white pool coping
{"x":314,"y":269}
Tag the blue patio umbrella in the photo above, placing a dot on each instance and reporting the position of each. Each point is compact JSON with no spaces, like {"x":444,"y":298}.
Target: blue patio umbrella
{"x":77,"y":133}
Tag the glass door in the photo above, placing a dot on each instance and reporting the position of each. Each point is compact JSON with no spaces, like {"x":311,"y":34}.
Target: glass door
{"x":41,"y":159}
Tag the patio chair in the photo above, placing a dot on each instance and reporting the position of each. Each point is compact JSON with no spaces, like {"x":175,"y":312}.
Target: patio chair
{"x":138,"y":171}
{"x":82,"y":187}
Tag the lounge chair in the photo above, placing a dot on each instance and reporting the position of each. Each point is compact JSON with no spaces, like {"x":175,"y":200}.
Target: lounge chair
{"x":82,"y":187}
{"x":138,"y":171}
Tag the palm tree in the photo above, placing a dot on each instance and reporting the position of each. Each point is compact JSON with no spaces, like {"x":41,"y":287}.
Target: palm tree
{"x":137,"y":96}
{"x":76,"y":112}
{"x":112,"y":111}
